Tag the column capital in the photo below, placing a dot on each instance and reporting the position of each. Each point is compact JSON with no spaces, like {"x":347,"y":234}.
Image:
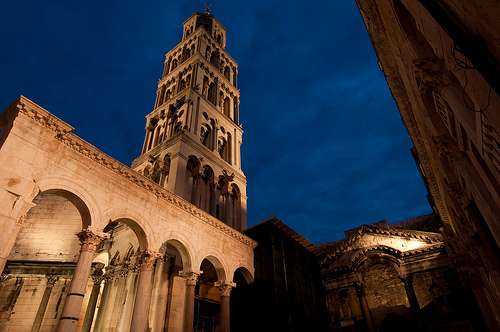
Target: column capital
{"x":191,"y":277}
{"x":147,"y":259}
{"x":407,"y":279}
{"x":97,"y":276}
{"x":51,"y":279}
{"x":4,"y":277}
{"x":225,"y":288}
{"x":90,"y":239}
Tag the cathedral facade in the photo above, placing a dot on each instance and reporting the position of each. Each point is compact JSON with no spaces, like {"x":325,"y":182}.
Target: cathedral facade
{"x":441,"y":60}
{"x":90,"y":244}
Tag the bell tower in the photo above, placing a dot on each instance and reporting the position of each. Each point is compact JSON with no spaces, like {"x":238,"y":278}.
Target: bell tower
{"x":193,"y":134}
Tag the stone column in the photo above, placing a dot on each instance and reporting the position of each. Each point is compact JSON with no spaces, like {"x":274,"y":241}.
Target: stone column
{"x":51,"y":281}
{"x":360,"y":291}
{"x":412,"y":299}
{"x":71,"y":312}
{"x":97,"y":278}
{"x":160,"y":294}
{"x":410,"y":293}
{"x":143,"y":294}
{"x":225,"y":318}
{"x":107,"y":299}
{"x":191,"y":279}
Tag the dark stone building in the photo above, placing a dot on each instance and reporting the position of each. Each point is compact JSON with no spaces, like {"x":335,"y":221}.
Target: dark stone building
{"x":441,"y":60}
{"x":287,"y":294}
{"x":385,"y":277}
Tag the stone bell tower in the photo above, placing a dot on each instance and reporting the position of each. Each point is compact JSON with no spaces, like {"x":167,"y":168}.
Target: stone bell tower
{"x":193,"y":134}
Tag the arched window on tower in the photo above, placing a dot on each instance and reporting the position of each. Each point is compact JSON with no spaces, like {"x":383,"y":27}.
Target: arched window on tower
{"x":174,"y":64}
{"x":221,"y":98}
{"x":227,"y":73}
{"x":207,"y":190}
{"x":156,"y":172}
{"x":227,"y":107}
{"x":207,"y":52}
{"x":192,"y":176}
{"x":212,"y":93}
{"x":229,"y":148}
{"x":182,"y":85}
{"x":168,"y":95}
{"x":161,"y":96}
{"x":235,"y":76}
{"x":236,"y":111}
{"x":214,"y":59}
{"x":223,"y":148}
{"x":235,"y":206}
{"x":153,"y":124}
{"x":186,"y":53}
{"x":206,"y":135}
{"x":165,"y":170}
{"x":166,"y":67}
{"x":204,"y":89}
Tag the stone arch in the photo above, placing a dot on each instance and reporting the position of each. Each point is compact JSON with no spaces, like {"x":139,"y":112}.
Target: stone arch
{"x":76,"y":192}
{"x":134,"y":222}
{"x":217,"y":264}
{"x":378,"y":255}
{"x":49,"y":228}
{"x":183,"y":247}
{"x":245,"y":272}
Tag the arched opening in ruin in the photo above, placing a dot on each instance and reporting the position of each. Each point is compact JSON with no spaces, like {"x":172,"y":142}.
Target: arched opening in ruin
{"x":207,"y":296}
{"x":168,"y":294}
{"x":124,"y":247}
{"x":42,"y":261}
{"x":241,"y":300}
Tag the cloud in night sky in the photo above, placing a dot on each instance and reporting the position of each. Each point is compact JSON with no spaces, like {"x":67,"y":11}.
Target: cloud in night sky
{"x":324,"y":147}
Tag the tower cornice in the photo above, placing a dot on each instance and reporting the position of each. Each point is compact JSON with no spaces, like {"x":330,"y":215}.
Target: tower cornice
{"x":213,"y":43}
{"x":186,"y":138}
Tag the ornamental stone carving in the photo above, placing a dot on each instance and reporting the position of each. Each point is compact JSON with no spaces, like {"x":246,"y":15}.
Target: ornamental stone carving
{"x":191,"y":277}
{"x":90,"y":239}
{"x":51,"y":279}
{"x":225,"y":288}
{"x":147,"y":259}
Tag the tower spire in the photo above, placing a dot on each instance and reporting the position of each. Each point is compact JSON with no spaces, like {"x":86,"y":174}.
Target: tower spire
{"x":208,"y":8}
{"x":193,"y":135}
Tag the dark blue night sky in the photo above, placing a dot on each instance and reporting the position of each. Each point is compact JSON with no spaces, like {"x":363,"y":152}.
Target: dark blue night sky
{"x":324,"y":146}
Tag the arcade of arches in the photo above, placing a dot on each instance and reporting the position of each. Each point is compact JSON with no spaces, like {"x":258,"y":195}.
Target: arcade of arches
{"x":106,"y":249}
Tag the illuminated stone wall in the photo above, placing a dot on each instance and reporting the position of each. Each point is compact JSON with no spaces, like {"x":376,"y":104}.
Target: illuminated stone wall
{"x":441,"y":61}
